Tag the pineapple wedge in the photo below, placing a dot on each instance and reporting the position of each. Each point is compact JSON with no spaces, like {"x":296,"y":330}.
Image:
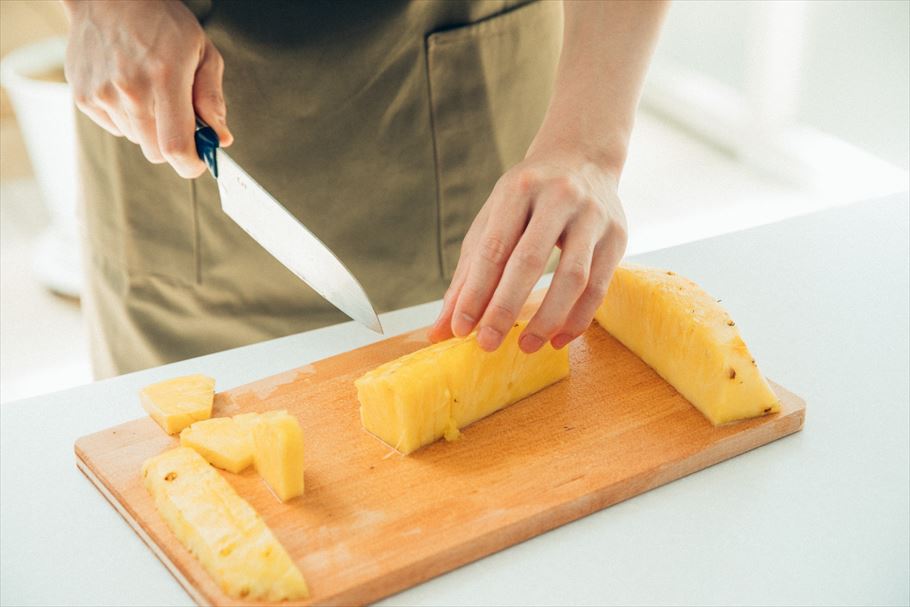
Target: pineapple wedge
{"x":222,"y":530}
{"x":418,"y":398}
{"x":689,"y":339}
{"x":177,"y":403}
{"x":225,"y":442}
{"x":278,"y":453}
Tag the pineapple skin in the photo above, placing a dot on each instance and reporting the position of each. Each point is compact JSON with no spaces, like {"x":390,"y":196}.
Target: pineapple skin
{"x":176,"y":403}
{"x":416,"y":399}
{"x":225,"y":442}
{"x":682,"y":333}
{"x":278,"y":453}
{"x":221,"y":529}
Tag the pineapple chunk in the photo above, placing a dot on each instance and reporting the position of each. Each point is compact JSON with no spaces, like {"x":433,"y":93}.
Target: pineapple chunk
{"x":689,"y":339}
{"x":278,"y":453}
{"x":416,"y":399}
{"x":226,"y":442}
{"x":177,"y":403}
{"x":222,"y":530}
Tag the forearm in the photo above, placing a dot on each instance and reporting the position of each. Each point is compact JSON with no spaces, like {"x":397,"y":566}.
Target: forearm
{"x":606,"y":49}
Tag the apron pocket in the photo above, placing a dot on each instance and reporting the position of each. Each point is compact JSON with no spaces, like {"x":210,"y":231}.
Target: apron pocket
{"x":490,"y":83}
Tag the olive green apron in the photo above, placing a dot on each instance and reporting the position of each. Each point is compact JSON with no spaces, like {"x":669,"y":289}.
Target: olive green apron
{"x":382,"y":126}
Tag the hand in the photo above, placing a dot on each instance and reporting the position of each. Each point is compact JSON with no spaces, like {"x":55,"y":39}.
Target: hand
{"x":140,"y":70}
{"x":552,"y":198}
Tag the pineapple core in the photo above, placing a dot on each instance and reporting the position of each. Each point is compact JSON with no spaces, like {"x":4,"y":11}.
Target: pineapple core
{"x":177,"y":403}
{"x":688,"y":339}
{"x":278,"y":453}
{"x":226,"y":442}
{"x":418,"y":398}
{"x":222,"y":530}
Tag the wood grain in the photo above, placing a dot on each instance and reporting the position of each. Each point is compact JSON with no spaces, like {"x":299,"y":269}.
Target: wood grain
{"x":373,"y":522}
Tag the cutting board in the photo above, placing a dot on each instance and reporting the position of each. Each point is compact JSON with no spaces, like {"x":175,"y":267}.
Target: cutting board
{"x":373,"y":522}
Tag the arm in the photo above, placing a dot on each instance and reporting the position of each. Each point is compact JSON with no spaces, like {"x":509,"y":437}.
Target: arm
{"x":140,"y":69}
{"x":563,"y":193}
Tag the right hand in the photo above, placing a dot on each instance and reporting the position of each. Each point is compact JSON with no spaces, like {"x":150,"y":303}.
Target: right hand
{"x":143,"y":70}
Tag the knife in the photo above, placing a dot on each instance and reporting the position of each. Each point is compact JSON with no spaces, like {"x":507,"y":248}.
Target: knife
{"x":281,"y":234}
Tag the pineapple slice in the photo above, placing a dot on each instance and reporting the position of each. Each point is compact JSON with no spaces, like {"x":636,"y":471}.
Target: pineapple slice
{"x":222,"y":530}
{"x":689,"y":339}
{"x":177,"y":403}
{"x":418,"y":398}
{"x":226,"y":442}
{"x":278,"y":453}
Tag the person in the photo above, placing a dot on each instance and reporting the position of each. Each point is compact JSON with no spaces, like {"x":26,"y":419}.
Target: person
{"x":436,"y":147}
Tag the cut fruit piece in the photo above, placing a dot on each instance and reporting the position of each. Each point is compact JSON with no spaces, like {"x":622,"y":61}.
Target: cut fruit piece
{"x":226,"y":442}
{"x":278,"y":453}
{"x":689,"y":339}
{"x":177,"y":403}
{"x":418,"y":398}
{"x":220,"y":529}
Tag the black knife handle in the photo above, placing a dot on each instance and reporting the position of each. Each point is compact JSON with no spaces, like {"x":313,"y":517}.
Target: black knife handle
{"x":206,"y":144}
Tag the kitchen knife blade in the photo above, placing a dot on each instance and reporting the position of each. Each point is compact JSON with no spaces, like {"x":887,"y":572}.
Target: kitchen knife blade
{"x":282,"y":234}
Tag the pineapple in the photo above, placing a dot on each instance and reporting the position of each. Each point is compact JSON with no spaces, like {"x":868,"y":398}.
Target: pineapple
{"x":220,"y":529}
{"x":177,"y":403}
{"x":273,"y":441}
{"x":278,"y":453}
{"x":418,"y":398}
{"x":689,"y":339}
{"x":226,"y":442}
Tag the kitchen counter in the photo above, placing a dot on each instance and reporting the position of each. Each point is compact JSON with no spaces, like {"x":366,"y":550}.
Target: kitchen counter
{"x":822,"y":516}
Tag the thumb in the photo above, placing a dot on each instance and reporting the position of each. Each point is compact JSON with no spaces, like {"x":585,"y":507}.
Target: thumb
{"x":208,"y":95}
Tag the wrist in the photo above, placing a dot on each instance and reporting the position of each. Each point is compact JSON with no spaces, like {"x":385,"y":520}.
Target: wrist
{"x":605,"y":152}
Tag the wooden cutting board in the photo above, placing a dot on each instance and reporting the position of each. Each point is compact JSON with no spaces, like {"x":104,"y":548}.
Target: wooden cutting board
{"x":373,"y":522}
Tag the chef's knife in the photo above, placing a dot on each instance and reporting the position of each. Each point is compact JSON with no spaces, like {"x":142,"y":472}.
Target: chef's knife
{"x":281,"y":234}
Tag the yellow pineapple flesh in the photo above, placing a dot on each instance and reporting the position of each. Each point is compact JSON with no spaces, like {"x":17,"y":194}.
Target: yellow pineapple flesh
{"x":220,"y":529}
{"x":177,"y":403}
{"x":688,"y":339}
{"x":278,"y":453}
{"x":225,"y":442}
{"x":416,"y":399}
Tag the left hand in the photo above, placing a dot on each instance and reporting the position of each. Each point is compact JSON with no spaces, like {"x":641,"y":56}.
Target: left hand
{"x":552,"y":198}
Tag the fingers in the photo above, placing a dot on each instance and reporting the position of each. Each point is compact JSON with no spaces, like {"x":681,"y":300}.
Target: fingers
{"x":490,"y":253}
{"x":135,"y":107}
{"x":143,"y":129}
{"x":569,"y":281}
{"x":506,"y":251}
{"x":181,"y":98}
{"x":442,"y":328}
{"x":176,"y":128}
{"x":208,"y":95}
{"x":105,"y":99}
{"x":524,"y":267}
{"x":607,"y":256}
{"x":102,"y":119}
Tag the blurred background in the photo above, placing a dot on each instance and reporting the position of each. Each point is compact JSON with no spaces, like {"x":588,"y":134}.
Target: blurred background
{"x":753,"y":112}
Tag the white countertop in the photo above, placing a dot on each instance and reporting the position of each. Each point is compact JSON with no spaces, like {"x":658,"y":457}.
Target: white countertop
{"x":820,"y":517}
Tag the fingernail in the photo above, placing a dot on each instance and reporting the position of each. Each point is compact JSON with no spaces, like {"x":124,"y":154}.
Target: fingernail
{"x":463,"y":324}
{"x":489,"y":338}
{"x":435,"y":329}
{"x":529,"y":343}
{"x":561,"y":340}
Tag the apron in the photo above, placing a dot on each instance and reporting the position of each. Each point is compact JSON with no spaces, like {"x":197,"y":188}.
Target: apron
{"x":382,"y":126}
